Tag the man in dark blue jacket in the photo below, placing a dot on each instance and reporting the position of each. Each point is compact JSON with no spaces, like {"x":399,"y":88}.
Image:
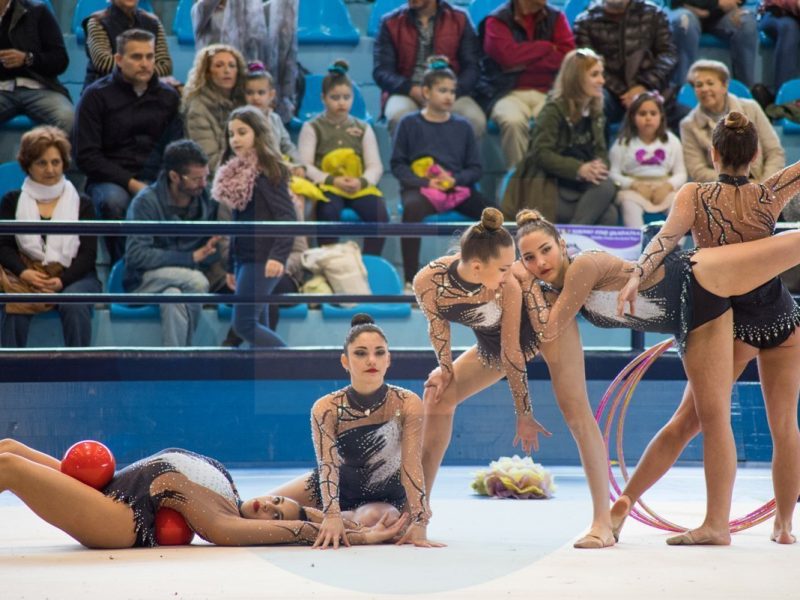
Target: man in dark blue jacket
{"x":175,"y":264}
{"x":32,"y":56}
{"x":123,"y":122}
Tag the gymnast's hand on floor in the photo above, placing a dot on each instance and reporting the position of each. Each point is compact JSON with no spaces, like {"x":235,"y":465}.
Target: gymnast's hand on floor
{"x":330,"y":532}
{"x":381,"y":532}
{"x":418,"y":535}
{"x":528,"y":430}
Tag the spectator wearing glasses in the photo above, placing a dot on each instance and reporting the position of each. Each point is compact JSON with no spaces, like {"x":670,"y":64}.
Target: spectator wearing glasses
{"x":171,"y":264}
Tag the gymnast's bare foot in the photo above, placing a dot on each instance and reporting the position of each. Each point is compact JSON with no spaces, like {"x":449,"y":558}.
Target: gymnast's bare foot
{"x":782,"y":536}
{"x":702,"y":536}
{"x":597,"y":537}
{"x":619,"y":512}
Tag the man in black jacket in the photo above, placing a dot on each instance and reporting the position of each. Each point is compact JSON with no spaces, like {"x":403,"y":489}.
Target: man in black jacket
{"x":123,"y":123}
{"x":32,"y":55}
{"x":635,"y":41}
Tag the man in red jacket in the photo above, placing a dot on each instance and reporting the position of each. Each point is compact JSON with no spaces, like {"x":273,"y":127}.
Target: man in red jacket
{"x":411,"y":34}
{"x":524,"y":42}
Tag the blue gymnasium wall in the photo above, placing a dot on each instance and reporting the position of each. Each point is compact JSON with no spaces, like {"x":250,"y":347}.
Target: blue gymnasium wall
{"x":250,"y":411}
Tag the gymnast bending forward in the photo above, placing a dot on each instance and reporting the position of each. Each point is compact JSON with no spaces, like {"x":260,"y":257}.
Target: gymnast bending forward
{"x":729,"y":211}
{"x":122,"y":515}
{"x":688,"y":296}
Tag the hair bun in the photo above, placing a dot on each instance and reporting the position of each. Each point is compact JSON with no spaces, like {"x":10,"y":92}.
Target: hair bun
{"x":361,"y":319}
{"x":339,"y":66}
{"x":528,"y":215}
{"x":491,"y":219}
{"x":438,"y":62}
{"x":736,"y":120}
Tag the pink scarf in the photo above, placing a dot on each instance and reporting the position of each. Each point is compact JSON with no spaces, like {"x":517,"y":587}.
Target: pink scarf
{"x":234,"y":181}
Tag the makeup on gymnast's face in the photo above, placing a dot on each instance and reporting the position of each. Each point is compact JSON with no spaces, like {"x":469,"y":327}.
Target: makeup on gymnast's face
{"x":542,"y":256}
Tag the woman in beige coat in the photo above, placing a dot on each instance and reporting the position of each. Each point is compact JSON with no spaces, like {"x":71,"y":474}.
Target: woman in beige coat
{"x":710,"y":79}
{"x":215,"y":87}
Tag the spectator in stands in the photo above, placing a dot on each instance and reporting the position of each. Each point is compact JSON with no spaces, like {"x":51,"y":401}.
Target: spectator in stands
{"x":408,"y":37}
{"x":102,"y":29}
{"x":124,"y":121}
{"x":215,"y":87}
{"x":435,"y":158}
{"x":780,"y":20}
{"x":32,"y":56}
{"x":565,"y":172}
{"x":35,"y":263}
{"x":253,"y":183}
{"x":340,"y":154}
{"x":169,"y":264}
{"x":634,"y":39}
{"x":267,"y":34}
{"x":725,"y":19}
{"x":710,"y":79}
{"x":524,"y":42}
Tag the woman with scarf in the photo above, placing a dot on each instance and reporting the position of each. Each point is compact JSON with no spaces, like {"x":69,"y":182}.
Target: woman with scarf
{"x":35,"y":263}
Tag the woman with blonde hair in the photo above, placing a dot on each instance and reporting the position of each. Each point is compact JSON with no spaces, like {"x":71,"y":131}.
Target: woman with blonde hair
{"x":565,"y":171}
{"x":215,"y":88}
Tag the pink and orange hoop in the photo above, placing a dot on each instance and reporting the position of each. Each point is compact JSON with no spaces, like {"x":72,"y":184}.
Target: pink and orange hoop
{"x":618,"y":396}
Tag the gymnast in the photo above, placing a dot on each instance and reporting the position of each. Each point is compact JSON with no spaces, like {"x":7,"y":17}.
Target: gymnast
{"x":729,"y":211}
{"x":688,"y":296}
{"x":472,"y":288}
{"x":122,"y":515}
{"x":367,"y":438}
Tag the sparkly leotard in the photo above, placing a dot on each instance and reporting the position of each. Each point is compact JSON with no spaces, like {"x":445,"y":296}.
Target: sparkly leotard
{"x":133,"y":485}
{"x":369,"y":450}
{"x":501,"y":327}
{"x":731,"y":211}
{"x":666,"y":302}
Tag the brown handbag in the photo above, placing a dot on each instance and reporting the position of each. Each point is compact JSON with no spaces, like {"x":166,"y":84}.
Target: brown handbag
{"x":11,"y":284}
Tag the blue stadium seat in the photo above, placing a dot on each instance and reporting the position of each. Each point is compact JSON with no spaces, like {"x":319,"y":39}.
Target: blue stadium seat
{"x":311,"y":104}
{"x":348,"y":215}
{"x":449,"y":216}
{"x":182,"y":25}
{"x":501,"y":191}
{"x":325,"y":22}
{"x":708,"y":40}
{"x":127,"y":311}
{"x":379,"y":9}
{"x":479,"y":9}
{"x":789,"y":92}
{"x":18,"y":123}
{"x":11,"y":177}
{"x":573,"y":8}
{"x":383,"y":280}
{"x":84,"y":8}
{"x":687,"y":96}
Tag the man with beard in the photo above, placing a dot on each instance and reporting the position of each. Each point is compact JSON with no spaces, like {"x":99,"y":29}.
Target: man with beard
{"x":175,"y":264}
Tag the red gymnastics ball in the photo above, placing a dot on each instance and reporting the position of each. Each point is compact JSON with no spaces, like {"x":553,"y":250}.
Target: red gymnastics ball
{"x":172,"y":529}
{"x":90,"y":462}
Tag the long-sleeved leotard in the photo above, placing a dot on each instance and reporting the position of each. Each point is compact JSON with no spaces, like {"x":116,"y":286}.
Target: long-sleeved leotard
{"x":369,"y":450}
{"x":731,"y":211}
{"x":665,"y":302}
{"x":202,"y":490}
{"x":495,"y":316}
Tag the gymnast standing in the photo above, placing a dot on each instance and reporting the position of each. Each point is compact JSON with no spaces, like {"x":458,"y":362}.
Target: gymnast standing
{"x":122,"y":515}
{"x":688,"y":296}
{"x":729,"y":211}
{"x":367,"y":439}
{"x":473,"y":288}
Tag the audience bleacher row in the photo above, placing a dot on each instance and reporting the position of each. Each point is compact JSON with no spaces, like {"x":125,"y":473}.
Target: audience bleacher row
{"x":558,"y":81}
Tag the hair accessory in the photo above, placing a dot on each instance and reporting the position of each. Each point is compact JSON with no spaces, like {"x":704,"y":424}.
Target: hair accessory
{"x":255,"y":66}
{"x":337,"y":69}
{"x":652,"y":95}
{"x":439,"y":64}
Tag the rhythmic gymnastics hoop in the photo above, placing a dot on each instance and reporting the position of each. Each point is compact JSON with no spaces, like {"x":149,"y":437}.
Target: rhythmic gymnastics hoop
{"x":619,"y":395}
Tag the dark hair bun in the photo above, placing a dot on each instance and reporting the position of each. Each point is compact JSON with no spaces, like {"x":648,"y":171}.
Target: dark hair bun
{"x":491,"y":219}
{"x":736,"y":120}
{"x":438,"y":61}
{"x":340,"y":66}
{"x":528,"y":215}
{"x":361,"y":319}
